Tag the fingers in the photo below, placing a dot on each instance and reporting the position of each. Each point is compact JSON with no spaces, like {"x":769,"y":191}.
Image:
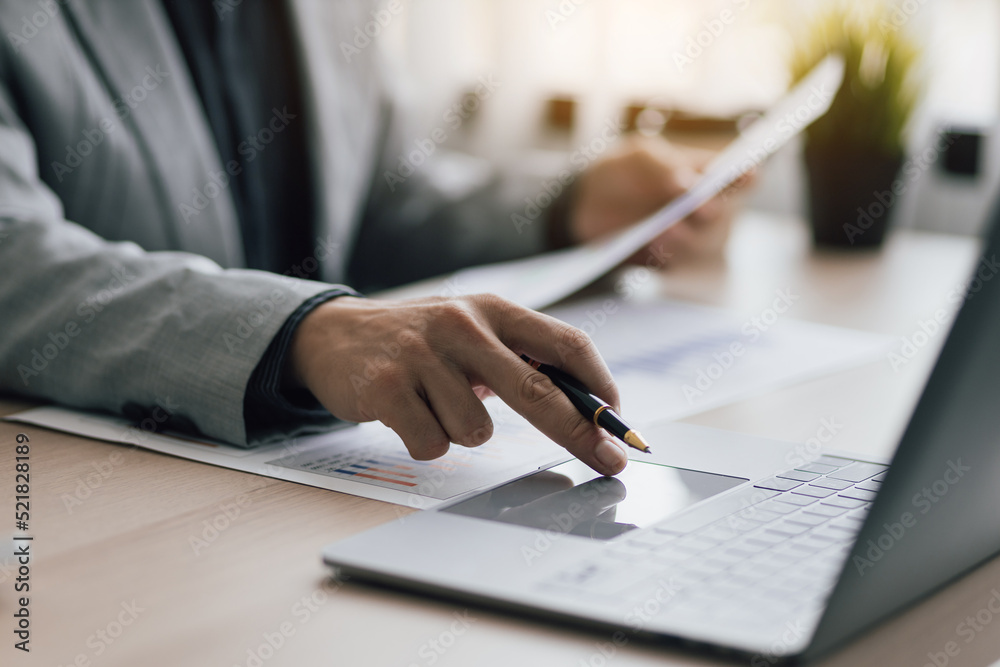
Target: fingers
{"x":406,"y":413}
{"x":458,"y":409}
{"x":552,"y":342}
{"x":533,"y":395}
{"x":539,"y":401}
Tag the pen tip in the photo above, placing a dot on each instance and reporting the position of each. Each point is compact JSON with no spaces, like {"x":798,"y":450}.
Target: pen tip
{"x":635,"y":439}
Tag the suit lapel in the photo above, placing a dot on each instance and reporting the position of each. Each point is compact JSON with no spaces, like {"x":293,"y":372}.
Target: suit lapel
{"x":134,"y":50}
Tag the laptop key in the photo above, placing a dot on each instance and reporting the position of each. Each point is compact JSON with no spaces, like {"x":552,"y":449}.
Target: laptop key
{"x":833,"y":461}
{"x":819,"y":468}
{"x":766,"y":539}
{"x":858,"y":471}
{"x":798,"y":475}
{"x":880,"y":477}
{"x":739,"y":524}
{"x":813,"y":491}
{"x":869,"y":485}
{"x":835,"y":484}
{"x":807,"y":519}
{"x":774,"y":506}
{"x":668,"y":555}
{"x":693,"y":543}
{"x":626,"y":552}
{"x":858,"y":494}
{"x":786,"y":528}
{"x":838,"y":501}
{"x":793,"y":499}
{"x":718,"y":532}
{"x":846,"y":523}
{"x":723,"y":558}
{"x":757,"y":514}
{"x":777,"y":484}
{"x":825,"y":510}
{"x":832,"y":534}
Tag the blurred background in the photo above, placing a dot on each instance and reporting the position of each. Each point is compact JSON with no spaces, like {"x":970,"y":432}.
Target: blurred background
{"x":561,"y":71}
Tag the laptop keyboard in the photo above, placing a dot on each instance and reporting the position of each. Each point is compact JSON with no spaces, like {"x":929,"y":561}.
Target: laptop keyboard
{"x":763,"y":554}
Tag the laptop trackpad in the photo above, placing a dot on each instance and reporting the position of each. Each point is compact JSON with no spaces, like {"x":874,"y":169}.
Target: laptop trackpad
{"x":572,"y":498}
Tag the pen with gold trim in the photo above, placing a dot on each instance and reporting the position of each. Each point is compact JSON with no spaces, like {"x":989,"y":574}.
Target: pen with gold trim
{"x":591,"y":406}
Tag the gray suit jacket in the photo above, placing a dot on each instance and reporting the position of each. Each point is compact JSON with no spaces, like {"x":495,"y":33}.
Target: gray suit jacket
{"x":119,"y":246}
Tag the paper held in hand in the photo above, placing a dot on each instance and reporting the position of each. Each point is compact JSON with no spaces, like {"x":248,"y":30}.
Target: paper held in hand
{"x":539,"y":281}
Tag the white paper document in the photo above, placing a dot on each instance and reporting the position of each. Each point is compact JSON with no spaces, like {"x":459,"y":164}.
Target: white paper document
{"x":537,"y":282}
{"x":672,"y":359}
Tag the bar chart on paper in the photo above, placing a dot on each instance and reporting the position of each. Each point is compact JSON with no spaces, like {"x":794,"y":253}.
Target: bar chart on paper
{"x":383,"y":461}
{"x":367,"y":460}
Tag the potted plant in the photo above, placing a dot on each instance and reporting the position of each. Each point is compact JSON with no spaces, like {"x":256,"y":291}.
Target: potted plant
{"x":853,"y":153}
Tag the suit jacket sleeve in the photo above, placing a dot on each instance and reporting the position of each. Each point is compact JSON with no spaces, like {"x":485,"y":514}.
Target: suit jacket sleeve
{"x":101,"y":325}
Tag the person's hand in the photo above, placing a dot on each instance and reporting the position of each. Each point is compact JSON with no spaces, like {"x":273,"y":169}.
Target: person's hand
{"x":640,"y":178}
{"x":421,"y":366}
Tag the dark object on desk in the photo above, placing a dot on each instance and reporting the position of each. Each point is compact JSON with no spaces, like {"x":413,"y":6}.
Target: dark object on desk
{"x":855,"y":150}
{"x":851,"y":196}
{"x":962,"y":155}
{"x":560,"y":113}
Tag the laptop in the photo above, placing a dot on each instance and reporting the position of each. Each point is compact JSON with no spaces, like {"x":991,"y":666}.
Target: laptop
{"x":727,"y":541}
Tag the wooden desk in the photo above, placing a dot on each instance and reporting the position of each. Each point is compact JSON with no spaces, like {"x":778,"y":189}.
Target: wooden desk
{"x":129,"y":540}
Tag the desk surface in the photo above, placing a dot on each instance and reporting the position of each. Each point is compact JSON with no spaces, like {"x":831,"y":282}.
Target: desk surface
{"x":117,"y":530}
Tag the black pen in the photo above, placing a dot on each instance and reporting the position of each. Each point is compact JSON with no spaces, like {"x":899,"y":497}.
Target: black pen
{"x":591,"y":406}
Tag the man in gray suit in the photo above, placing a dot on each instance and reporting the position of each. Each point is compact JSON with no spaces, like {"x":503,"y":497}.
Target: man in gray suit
{"x":184,"y":186}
